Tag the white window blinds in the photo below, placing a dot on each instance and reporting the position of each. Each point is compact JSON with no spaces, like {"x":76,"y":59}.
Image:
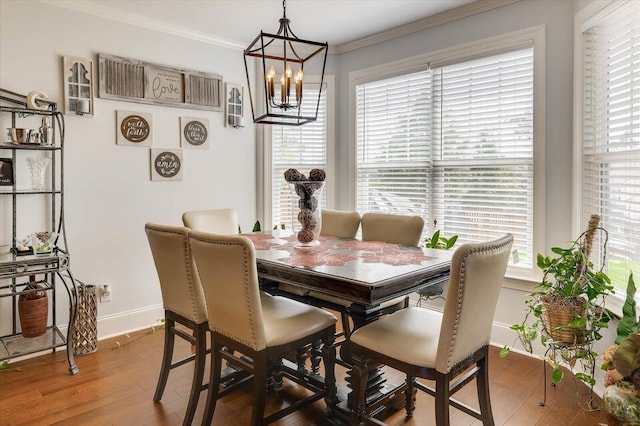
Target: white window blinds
{"x":303,"y":148}
{"x":454,"y":144}
{"x":611,"y":136}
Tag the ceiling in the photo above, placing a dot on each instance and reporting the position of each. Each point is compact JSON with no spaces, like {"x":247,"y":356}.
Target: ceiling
{"x":236,"y":23}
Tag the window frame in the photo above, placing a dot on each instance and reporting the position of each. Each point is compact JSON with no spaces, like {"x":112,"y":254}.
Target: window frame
{"x":585,"y":19}
{"x":529,"y":37}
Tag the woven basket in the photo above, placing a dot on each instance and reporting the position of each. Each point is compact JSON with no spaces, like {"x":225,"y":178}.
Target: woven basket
{"x":559,"y":313}
{"x":34,"y":313}
{"x":84,"y":331}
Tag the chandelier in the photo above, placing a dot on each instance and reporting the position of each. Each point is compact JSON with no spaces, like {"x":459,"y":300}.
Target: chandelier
{"x":284,"y":60}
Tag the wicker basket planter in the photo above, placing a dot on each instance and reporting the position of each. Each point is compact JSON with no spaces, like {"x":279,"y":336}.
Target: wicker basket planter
{"x":559,"y":312}
{"x":84,"y":331}
{"x":33,"y":308}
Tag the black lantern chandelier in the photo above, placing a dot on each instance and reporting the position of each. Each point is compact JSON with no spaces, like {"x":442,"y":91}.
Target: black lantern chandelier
{"x":285,"y":59}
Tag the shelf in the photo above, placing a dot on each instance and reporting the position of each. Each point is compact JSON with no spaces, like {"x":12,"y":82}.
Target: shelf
{"x":29,"y":191}
{"x":30,"y":147}
{"x":12,"y":266}
{"x":15,"y":346}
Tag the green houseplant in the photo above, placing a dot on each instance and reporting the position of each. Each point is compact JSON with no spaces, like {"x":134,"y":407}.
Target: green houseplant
{"x":566,"y":311}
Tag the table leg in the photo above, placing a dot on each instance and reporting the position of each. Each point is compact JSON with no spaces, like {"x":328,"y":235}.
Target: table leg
{"x":379,"y":395}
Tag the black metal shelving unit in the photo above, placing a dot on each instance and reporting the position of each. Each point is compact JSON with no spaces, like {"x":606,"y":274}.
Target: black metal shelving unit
{"x":48,"y":270}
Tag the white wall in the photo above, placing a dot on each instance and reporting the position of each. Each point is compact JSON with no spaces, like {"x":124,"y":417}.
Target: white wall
{"x":109,"y":195}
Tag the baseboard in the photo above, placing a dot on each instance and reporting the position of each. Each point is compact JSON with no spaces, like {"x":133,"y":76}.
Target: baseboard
{"x":126,"y":322}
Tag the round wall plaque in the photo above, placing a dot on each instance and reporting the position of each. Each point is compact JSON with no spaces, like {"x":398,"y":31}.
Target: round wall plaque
{"x":195,"y":133}
{"x":135,"y":128}
{"x":167,"y":164}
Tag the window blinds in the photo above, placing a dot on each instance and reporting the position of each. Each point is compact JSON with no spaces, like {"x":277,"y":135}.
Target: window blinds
{"x":611,"y":136}
{"x":303,"y":148}
{"x":453,"y":144}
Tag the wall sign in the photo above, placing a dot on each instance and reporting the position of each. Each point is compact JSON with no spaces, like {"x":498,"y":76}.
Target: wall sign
{"x":164,"y":85}
{"x":137,"y":81}
{"x":134,"y":128}
{"x":6,"y":171}
{"x":194,"y":132}
{"x":166,"y":164}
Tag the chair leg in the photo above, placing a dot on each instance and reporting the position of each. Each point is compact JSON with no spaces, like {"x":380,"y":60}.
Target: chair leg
{"x":329,"y":362}
{"x":484,"y":398}
{"x":316,"y":356}
{"x":259,"y":386}
{"x":410,"y":396}
{"x":346,"y":325}
{"x":214,"y":383}
{"x":169,"y":340}
{"x":200,"y":334}
{"x":442,"y":399}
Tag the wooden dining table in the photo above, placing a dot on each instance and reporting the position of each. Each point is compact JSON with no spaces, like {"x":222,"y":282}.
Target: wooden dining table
{"x":366,"y":273}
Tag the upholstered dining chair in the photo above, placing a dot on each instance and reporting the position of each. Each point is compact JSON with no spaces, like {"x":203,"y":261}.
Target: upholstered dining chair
{"x":392,"y":228}
{"x":184,"y":303}
{"x":263,"y":329}
{"x":341,"y":224}
{"x":447,"y":346}
{"x":215,"y":221}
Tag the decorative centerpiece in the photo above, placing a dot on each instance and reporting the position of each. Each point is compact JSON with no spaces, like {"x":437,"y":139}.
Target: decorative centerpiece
{"x":309,"y":190}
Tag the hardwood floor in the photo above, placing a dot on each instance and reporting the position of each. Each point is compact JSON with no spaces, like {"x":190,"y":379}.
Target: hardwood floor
{"x":115,"y":386}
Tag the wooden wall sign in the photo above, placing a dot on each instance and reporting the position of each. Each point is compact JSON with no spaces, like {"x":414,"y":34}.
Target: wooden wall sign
{"x":134,"y":128}
{"x":194,"y":132}
{"x":137,"y":81}
{"x":166,"y":164}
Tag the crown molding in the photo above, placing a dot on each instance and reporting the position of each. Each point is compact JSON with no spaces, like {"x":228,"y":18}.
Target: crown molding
{"x":93,"y":9}
{"x":90,"y":8}
{"x":422,"y":24}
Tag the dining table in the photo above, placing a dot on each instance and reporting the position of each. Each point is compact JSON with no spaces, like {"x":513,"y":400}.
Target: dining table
{"x":365,"y":273}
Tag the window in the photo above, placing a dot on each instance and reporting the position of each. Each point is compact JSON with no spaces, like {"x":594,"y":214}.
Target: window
{"x":304,"y":148}
{"x":609,"y":138}
{"x":453,"y":141}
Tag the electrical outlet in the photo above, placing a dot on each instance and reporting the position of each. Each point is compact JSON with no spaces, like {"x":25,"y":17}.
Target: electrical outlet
{"x":105,"y":293}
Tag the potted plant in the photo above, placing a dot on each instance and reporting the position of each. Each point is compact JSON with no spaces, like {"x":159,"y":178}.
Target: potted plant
{"x":436,"y":241}
{"x":568,"y":306}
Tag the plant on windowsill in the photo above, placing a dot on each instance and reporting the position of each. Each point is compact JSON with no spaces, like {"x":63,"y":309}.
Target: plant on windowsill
{"x":568,"y":307}
{"x":436,"y":241}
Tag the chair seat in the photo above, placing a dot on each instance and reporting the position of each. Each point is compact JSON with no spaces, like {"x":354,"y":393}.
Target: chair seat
{"x":409,"y":335}
{"x":286,"y":320}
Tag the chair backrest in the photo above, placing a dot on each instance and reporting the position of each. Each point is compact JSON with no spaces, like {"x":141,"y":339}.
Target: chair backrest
{"x":392,"y":228}
{"x":340,"y":224}
{"x":226,"y":265}
{"x":477,"y":275}
{"x":179,"y":283}
{"x":217,"y":221}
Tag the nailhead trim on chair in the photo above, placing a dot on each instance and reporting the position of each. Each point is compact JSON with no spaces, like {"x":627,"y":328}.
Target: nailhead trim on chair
{"x":459,"y":303}
{"x":187,"y":255}
{"x":253,"y":345}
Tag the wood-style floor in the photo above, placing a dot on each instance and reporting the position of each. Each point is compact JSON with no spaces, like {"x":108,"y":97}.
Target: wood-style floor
{"x":115,"y":386}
